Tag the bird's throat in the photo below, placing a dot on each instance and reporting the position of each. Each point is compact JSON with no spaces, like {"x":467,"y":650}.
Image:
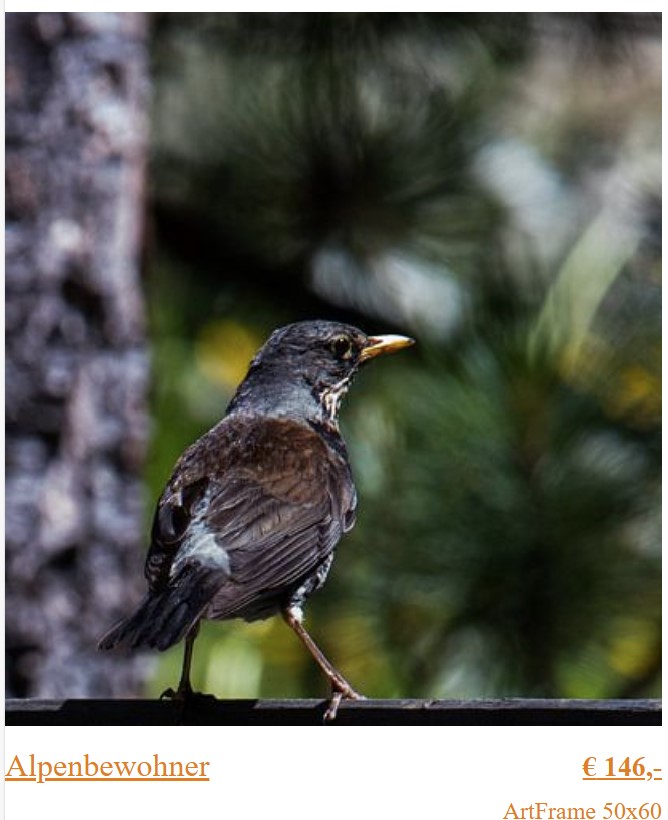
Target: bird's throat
{"x":330,"y":402}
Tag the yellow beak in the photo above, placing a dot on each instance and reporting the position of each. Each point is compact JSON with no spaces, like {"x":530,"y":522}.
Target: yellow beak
{"x":377,"y":345}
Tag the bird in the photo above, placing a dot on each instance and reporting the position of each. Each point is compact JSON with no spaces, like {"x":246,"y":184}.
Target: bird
{"x":248,"y":524}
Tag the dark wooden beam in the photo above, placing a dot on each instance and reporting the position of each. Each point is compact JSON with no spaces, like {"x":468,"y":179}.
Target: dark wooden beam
{"x":207,"y":710}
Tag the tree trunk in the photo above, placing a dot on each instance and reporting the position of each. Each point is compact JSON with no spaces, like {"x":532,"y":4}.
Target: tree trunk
{"x":76,"y":368}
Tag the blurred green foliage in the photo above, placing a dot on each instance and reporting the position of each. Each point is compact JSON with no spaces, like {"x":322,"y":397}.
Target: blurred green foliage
{"x":491,"y":185}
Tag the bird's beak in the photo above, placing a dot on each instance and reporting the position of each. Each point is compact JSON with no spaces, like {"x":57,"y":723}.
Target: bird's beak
{"x":377,"y":345}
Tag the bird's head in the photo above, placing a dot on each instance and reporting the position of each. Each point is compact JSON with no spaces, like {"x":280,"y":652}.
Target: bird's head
{"x":306,"y":368}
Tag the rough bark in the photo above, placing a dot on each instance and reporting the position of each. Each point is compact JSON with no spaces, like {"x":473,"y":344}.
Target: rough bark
{"x":76,"y":361}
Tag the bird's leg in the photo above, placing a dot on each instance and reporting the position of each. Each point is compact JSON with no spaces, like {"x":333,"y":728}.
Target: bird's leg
{"x":340,"y":687}
{"x":184,"y":689}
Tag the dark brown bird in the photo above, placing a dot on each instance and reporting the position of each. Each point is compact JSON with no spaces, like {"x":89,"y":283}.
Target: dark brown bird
{"x":248,"y":524}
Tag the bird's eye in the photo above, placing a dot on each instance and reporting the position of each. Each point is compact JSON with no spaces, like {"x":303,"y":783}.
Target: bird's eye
{"x":341,"y":347}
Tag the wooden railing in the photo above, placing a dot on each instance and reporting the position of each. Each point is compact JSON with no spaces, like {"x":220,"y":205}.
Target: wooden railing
{"x":207,"y":710}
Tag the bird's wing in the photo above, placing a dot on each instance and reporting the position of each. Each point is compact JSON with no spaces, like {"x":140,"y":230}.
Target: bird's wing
{"x":273,"y":541}
{"x":267,"y":517}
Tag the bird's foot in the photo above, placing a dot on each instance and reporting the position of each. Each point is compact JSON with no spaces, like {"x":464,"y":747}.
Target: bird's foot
{"x":341,"y":690}
{"x":187,"y":702}
{"x":182,"y":694}
{"x":186,"y":695}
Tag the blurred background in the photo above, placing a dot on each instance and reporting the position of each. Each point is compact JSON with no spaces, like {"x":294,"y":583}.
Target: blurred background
{"x":491,"y":185}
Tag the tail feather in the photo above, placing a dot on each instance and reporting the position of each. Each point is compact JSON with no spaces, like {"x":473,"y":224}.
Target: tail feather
{"x":163,"y":618}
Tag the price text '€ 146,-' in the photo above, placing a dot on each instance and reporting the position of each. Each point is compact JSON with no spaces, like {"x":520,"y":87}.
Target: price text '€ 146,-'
{"x":603,"y":769}
{"x":626,"y":770}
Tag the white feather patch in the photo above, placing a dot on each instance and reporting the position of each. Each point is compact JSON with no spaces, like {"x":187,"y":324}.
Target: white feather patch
{"x":202,"y":547}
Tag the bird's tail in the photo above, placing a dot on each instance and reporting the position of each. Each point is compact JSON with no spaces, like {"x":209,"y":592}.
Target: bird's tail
{"x":164,"y":617}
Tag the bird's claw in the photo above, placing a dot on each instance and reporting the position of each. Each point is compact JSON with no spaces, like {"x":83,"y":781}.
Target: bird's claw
{"x":340,"y":693}
{"x":187,"y":703}
{"x":181,"y":695}
{"x":187,"y":696}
